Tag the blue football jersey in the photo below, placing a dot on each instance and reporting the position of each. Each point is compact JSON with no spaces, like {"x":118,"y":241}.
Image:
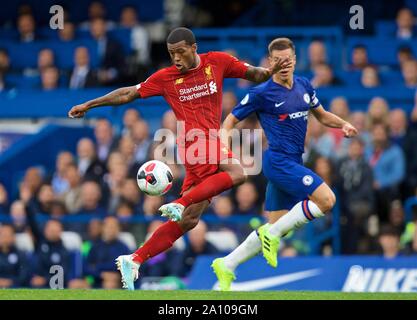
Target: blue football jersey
{"x":282,"y":112}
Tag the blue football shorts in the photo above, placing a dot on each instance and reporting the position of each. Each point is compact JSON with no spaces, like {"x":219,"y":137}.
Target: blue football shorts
{"x":289,"y":181}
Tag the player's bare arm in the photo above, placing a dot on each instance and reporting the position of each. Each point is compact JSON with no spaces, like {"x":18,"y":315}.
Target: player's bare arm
{"x":117,"y":97}
{"x":331,"y":120}
{"x":228,"y":124}
{"x":260,"y":74}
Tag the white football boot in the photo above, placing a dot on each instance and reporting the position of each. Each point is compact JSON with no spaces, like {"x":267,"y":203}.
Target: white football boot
{"x":129,"y":271}
{"x":172,"y":211}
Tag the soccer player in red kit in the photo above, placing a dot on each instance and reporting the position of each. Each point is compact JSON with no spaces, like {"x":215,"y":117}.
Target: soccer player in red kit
{"x":192,"y":86}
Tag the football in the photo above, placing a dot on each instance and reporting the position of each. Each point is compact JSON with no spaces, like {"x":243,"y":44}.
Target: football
{"x":154,"y":178}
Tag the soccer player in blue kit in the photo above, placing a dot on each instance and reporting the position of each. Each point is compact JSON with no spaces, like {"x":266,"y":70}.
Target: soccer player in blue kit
{"x":295,"y":195}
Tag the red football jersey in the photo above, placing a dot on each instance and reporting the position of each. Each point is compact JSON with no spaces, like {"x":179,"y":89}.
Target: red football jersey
{"x":195,"y":96}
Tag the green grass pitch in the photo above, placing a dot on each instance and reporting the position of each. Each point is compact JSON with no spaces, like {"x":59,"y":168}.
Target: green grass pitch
{"x":30,"y":294}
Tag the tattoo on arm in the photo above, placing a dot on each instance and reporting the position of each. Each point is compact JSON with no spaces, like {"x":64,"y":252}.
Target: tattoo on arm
{"x":257,"y":74}
{"x":116,"y":97}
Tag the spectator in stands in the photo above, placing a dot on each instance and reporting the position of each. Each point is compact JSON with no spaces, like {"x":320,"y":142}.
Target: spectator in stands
{"x":124,"y":212}
{"x":44,"y":199}
{"x":58,"y":209}
{"x":100,"y":261}
{"x":318,"y":138}
{"x":50,"y":251}
{"x":410,"y":151}
{"x":46,"y":59}
{"x":229,"y":101}
{"x":404,"y":54}
{"x":359,"y":58}
{"x":19,"y":216}
{"x":397,"y":125}
{"x":127,"y":151}
{"x":116,"y":158}
{"x":106,"y":142}
{"x":324,"y":168}
{"x":95,"y":227}
{"x":27,"y":28}
{"x":169,"y":122}
{"x":409,"y":73}
{"x":140,"y":136}
{"x":246,"y":197}
{"x":358,"y":120}
{"x":405,"y":24}
{"x":222,"y":206}
{"x":388,"y":165}
{"x":317,"y":54}
{"x":130,"y":116}
{"x":340,"y":107}
{"x":97,"y":10}
{"x":72,"y":196}
{"x":4,"y":200}
{"x":110,"y":54}
{"x":389,"y":241}
{"x":89,"y":166}
{"x":67,"y":33}
{"x":151,"y":205}
{"x":49,"y":78}
{"x":197,"y":245}
{"x":324,"y":77}
{"x":31,"y":183}
{"x":58,"y":181}
{"x":82,"y":76}
{"x":113,"y":183}
{"x":396,"y":216}
{"x":370,"y":77}
{"x":132,"y":195}
{"x":4,"y":67}
{"x":140,"y":42}
{"x":378,"y":112}
{"x":354,"y":182}
{"x":15,"y":269}
{"x":91,"y":197}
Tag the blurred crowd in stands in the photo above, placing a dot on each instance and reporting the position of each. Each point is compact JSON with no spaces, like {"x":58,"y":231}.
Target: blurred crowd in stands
{"x":372,"y":174}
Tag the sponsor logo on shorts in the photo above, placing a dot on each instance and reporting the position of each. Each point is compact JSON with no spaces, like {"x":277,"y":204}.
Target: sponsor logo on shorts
{"x":307,"y":180}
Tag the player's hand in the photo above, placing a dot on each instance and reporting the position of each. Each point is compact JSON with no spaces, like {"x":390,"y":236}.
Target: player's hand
{"x":281,"y":63}
{"x":349,"y":130}
{"x":78,"y":111}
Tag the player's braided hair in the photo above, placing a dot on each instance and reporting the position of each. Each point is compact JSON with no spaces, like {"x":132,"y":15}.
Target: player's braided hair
{"x":181,"y":34}
{"x":281,"y":44}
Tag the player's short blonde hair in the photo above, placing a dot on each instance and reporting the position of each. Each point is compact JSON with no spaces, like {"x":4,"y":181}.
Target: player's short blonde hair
{"x":281,"y":44}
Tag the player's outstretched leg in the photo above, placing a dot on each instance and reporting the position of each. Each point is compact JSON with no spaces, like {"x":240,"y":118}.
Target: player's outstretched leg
{"x":230,"y":175}
{"x":322,"y":200}
{"x":161,"y":240}
{"x":224,"y":267}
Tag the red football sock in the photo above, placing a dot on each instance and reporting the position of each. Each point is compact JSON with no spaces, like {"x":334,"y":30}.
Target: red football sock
{"x":162,"y":239}
{"x":210,"y":187}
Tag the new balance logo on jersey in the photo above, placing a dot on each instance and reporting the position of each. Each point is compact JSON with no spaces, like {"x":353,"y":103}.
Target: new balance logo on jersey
{"x":294,"y":115}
